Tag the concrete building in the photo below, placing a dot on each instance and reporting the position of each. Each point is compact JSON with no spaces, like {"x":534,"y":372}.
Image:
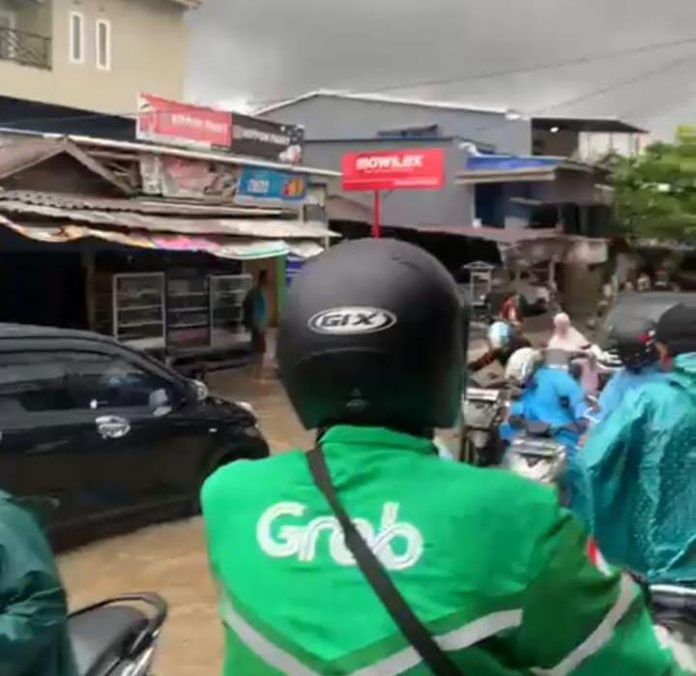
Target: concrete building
{"x":93,"y":54}
{"x":527,"y":192}
{"x":337,"y":123}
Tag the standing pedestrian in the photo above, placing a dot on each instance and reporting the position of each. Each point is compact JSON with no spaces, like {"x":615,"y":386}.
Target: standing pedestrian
{"x":256,"y":320}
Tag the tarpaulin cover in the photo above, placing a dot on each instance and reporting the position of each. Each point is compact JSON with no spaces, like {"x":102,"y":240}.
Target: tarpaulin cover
{"x":237,"y":248}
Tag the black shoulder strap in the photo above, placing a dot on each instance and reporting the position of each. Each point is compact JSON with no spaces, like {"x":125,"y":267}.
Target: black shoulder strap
{"x":411,"y":627}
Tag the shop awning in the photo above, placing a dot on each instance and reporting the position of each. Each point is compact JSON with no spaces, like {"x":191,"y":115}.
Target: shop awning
{"x":519,"y":169}
{"x":266,"y":228}
{"x":238,"y":248}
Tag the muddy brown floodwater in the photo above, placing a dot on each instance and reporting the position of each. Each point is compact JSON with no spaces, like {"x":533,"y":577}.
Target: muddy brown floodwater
{"x":171,"y":560}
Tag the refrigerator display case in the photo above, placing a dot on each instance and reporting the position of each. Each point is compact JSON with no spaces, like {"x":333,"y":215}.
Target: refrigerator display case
{"x":227,"y":293}
{"x":138,"y":309}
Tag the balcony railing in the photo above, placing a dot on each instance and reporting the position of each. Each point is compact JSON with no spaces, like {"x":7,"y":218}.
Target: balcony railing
{"x":28,"y":49}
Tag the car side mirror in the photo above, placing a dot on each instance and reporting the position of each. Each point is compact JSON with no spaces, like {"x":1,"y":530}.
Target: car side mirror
{"x":199,"y":390}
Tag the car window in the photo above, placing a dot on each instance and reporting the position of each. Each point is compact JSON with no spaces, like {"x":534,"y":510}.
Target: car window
{"x":32,"y":382}
{"x":106,"y":381}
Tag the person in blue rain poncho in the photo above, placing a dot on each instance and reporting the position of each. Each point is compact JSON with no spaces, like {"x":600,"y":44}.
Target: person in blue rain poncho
{"x":550,"y":394}
{"x":634,"y":345}
{"x":641,"y":464}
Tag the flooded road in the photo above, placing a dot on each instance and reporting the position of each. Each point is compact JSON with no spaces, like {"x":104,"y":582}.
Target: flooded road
{"x":171,"y":560}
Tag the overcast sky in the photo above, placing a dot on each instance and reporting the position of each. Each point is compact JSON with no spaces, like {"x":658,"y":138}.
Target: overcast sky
{"x":256,"y":51}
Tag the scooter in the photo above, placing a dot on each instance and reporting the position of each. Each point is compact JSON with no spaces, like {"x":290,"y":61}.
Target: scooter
{"x":483,"y":410}
{"x":536,"y":456}
{"x":117,"y":637}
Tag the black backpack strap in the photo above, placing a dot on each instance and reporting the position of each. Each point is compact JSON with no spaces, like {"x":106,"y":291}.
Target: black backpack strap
{"x":410,"y":626}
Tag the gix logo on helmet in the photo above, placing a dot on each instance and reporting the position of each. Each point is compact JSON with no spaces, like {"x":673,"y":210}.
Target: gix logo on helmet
{"x":351,"y":320}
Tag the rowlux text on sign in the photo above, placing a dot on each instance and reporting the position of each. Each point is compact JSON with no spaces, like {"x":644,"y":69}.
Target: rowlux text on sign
{"x":392,"y":170}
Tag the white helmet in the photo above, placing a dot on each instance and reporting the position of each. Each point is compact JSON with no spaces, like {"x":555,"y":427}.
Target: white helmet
{"x":521,"y":366}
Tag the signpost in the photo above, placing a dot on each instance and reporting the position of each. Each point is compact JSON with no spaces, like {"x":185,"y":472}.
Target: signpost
{"x":411,"y":169}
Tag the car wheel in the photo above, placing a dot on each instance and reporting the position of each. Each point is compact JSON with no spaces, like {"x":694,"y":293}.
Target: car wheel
{"x":255,"y":451}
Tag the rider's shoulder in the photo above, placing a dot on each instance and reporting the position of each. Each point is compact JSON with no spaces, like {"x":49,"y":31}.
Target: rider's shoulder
{"x":240,"y":476}
{"x":503,"y":491}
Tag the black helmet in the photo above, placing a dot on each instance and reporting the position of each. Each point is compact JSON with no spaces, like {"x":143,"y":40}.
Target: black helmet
{"x":633,"y":343}
{"x":373,"y":333}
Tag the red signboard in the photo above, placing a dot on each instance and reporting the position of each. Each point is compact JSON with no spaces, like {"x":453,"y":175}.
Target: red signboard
{"x":416,"y":168}
{"x":171,"y":122}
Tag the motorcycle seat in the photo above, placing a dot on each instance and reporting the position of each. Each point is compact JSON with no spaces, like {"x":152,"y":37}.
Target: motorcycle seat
{"x":100,"y":636}
{"x":671,"y":602}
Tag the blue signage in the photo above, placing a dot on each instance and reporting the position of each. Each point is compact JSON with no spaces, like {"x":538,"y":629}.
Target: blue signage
{"x":293,"y":265}
{"x":266,"y":185}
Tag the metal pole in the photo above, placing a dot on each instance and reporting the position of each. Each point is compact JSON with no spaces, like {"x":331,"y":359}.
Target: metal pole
{"x":376,"y":216}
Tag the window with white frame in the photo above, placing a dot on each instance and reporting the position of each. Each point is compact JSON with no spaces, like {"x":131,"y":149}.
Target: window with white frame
{"x":103,"y":44}
{"x":77,"y":37}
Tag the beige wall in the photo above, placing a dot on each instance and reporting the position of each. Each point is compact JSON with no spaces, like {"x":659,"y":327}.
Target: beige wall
{"x":148,"y":53}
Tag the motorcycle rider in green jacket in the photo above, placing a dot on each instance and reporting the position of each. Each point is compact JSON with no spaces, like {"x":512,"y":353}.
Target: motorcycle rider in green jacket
{"x":370,"y":349}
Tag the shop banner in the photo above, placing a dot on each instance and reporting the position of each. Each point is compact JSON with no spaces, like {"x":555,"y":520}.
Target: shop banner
{"x":182,"y":178}
{"x":417,"y":168}
{"x":268,"y":186}
{"x":176,"y":123}
{"x":269,"y":140}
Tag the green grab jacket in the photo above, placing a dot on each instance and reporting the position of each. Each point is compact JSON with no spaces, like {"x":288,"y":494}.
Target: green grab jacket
{"x":33,"y":608}
{"x":503,"y":577}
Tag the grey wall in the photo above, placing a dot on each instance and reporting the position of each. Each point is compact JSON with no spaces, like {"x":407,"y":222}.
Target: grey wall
{"x":331,"y":117}
{"x":452,"y":205}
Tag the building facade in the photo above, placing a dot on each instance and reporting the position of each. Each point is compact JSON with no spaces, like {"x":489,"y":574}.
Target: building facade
{"x":93,"y":54}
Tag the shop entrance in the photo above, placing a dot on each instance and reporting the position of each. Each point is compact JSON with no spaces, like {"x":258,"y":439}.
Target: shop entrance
{"x":47,"y":289}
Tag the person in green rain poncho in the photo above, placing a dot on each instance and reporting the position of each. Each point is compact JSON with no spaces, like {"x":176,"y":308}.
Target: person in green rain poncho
{"x":33,"y":608}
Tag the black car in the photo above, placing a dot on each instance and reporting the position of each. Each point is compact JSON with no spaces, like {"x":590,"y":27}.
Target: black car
{"x":117,"y":438}
{"x":632,"y":306}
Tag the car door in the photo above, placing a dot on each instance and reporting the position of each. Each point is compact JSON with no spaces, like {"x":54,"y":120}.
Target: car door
{"x":41,"y":433}
{"x":145,"y":444}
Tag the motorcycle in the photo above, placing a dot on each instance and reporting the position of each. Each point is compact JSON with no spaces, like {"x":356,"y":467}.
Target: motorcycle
{"x":673,"y":609}
{"x":536,"y":456}
{"x":117,"y":637}
{"x":483,"y":410}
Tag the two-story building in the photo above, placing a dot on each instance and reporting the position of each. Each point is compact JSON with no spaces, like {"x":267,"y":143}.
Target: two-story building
{"x":517,"y":190}
{"x":94,"y":55}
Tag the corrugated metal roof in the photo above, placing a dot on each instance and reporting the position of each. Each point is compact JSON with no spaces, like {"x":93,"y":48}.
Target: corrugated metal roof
{"x":260,"y":228}
{"x":22,"y":155}
{"x":149,"y":205}
{"x":597,"y":125}
{"x":381,"y":98}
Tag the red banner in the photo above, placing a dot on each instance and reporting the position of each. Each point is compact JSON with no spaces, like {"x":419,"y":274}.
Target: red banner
{"x":171,"y":122}
{"x":416,"y":168}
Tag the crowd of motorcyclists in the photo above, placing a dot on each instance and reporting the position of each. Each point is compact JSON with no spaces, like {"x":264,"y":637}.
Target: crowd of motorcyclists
{"x":369,"y":554}
{"x":632,"y":448}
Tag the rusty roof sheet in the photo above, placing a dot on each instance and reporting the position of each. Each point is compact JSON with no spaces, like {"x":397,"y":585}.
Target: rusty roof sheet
{"x":277,"y":228}
{"x":145,"y":206}
{"x":22,"y":155}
